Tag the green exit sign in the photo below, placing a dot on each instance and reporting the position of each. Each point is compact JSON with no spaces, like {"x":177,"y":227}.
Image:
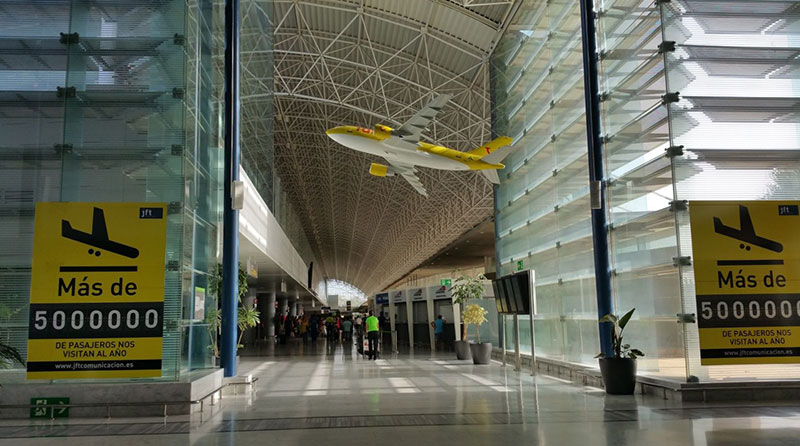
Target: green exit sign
{"x":519,"y":265}
{"x":45,"y":411}
{"x":446,"y":282}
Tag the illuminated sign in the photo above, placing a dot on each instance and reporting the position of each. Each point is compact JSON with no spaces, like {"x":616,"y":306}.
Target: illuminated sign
{"x":747,"y":279}
{"x":97,"y":291}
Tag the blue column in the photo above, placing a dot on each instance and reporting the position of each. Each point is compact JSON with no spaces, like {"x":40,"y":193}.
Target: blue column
{"x":230,"y":216}
{"x":602,"y":267}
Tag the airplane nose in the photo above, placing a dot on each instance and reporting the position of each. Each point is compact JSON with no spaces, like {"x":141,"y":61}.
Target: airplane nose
{"x":334,"y":134}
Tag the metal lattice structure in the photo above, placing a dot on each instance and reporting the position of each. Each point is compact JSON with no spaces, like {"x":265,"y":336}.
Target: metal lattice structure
{"x":366,"y":62}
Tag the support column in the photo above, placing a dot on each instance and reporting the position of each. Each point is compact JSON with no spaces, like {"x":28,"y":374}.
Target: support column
{"x":431,"y":317}
{"x":392,"y":323}
{"x":597,"y":184}
{"x":230,"y":247}
{"x":293,"y":308}
{"x":267,"y":301}
{"x":410,"y":317}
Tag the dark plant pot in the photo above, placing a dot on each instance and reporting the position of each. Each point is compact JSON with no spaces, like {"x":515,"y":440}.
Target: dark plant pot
{"x":463,"y":350}
{"x":619,"y":375}
{"x":481,"y":353}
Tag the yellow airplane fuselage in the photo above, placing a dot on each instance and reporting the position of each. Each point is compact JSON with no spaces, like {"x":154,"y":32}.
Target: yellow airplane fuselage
{"x":381,"y":142}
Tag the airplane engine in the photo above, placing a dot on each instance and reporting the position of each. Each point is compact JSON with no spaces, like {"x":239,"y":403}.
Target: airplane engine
{"x":382,"y":130}
{"x":380,"y":170}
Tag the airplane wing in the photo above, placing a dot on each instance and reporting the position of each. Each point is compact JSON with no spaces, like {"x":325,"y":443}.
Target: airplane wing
{"x":411,"y":130}
{"x":410,"y":174}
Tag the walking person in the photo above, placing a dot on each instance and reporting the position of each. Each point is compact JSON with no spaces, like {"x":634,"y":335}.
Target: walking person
{"x":304,"y":330}
{"x":347,"y":327}
{"x":358,"y":324}
{"x":372,"y":336}
{"x":438,"y":332}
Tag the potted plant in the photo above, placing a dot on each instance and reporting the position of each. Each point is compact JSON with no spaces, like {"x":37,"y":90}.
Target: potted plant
{"x":247,"y":317}
{"x":464,"y":289}
{"x":481,"y":352}
{"x":619,"y":371}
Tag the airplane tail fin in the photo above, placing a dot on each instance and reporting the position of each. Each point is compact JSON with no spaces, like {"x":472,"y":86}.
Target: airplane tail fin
{"x":489,"y":151}
{"x":491,"y":175}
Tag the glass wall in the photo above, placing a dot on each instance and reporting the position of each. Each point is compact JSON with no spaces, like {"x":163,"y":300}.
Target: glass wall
{"x":107,"y":101}
{"x":542,"y":216}
{"x":639,"y":173}
{"x":737,"y":117}
{"x":699,"y":101}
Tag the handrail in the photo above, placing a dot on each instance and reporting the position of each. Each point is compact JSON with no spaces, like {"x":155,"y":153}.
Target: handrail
{"x":109,"y":405}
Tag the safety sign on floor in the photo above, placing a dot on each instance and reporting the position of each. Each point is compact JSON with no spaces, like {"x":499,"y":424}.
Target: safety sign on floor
{"x":746,"y":258}
{"x":97,"y":290}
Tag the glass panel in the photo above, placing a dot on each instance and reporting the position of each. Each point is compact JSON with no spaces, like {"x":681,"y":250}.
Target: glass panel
{"x":735,"y":66}
{"x":639,"y":191}
{"x":542,"y":217}
{"x":122,"y":109}
{"x":33,"y":64}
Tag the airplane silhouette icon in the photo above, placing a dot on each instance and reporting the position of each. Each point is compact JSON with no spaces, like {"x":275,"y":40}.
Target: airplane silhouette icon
{"x":98,"y":237}
{"x":746,"y":233}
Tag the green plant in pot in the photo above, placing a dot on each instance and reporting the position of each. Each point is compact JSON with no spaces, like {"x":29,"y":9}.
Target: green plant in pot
{"x":464,"y":289}
{"x":247,"y":317}
{"x":619,"y":371}
{"x":481,"y":352}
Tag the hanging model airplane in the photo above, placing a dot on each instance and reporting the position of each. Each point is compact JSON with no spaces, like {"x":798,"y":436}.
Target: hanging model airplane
{"x":403,"y":150}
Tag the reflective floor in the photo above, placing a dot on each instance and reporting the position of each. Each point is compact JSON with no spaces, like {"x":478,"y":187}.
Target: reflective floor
{"x":331,"y":396}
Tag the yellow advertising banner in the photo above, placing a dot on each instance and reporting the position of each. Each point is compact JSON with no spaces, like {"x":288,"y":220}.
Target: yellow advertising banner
{"x":97,"y":290}
{"x":747,"y":279}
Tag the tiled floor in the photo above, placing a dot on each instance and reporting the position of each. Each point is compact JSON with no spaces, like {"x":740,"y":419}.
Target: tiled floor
{"x":320,"y":396}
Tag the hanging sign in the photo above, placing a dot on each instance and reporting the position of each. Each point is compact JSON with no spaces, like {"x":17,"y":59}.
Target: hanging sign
{"x":97,"y":290}
{"x":746,"y":258}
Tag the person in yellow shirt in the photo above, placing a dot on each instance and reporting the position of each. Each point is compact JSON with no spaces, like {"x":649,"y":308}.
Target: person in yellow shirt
{"x":372,"y":336}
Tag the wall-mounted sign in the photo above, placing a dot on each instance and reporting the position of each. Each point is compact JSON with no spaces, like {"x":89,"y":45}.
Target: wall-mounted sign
{"x":417,"y":294}
{"x":520,"y":265}
{"x":746,"y":258}
{"x":440,"y":292}
{"x":445,"y":282}
{"x":382,"y":298}
{"x":398,"y":296}
{"x":97,"y":290}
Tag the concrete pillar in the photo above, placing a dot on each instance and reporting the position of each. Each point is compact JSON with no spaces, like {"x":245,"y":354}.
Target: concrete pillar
{"x":431,"y":317}
{"x":293,"y":308}
{"x":266,"y":303}
{"x":410,"y":317}
{"x":392,"y":321}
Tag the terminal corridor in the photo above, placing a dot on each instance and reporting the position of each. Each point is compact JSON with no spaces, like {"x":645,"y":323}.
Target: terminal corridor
{"x":308,"y":396}
{"x":563,"y":222}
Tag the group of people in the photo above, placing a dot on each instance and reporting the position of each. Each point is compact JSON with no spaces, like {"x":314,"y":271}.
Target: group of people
{"x":331,"y":327}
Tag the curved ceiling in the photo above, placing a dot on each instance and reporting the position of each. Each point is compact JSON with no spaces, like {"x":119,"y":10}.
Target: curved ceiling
{"x":366,"y":62}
